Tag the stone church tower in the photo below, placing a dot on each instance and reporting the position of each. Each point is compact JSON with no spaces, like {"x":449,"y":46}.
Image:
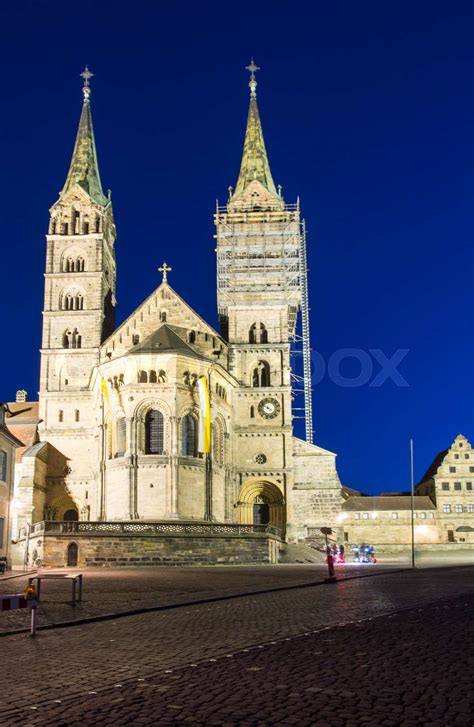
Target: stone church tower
{"x":79,"y":303}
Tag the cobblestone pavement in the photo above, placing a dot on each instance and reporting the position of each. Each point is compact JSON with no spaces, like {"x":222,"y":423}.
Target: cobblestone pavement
{"x":113,"y":591}
{"x":388,"y":650}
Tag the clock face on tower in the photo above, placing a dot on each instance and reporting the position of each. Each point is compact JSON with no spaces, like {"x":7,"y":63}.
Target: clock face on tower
{"x":268,"y":408}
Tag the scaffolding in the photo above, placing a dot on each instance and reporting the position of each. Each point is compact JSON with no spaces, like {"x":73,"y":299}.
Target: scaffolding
{"x":264,"y":252}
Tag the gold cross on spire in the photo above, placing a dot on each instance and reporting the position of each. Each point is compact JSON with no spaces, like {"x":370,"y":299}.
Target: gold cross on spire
{"x":86,"y":90}
{"x":165,"y":269}
{"x":86,"y":75}
{"x":252,"y":67}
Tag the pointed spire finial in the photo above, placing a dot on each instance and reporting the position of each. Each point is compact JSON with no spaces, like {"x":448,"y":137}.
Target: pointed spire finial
{"x":86,"y":75}
{"x":165,"y":269}
{"x":253,"y":68}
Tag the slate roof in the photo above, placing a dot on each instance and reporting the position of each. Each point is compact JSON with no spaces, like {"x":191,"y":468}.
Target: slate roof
{"x":433,"y":468}
{"x":166,"y":340}
{"x":84,"y":168}
{"x":255,"y":164}
{"x":397,"y":502}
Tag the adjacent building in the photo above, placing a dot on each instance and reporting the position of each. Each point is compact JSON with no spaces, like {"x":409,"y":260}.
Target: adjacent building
{"x":8,"y":446}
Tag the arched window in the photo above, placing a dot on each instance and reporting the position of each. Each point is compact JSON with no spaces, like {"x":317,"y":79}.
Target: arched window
{"x":76,"y":339}
{"x":258,"y":333}
{"x":71,"y":515}
{"x":163,"y":316}
{"x":85,"y":227}
{"x":142,"y":377}
{"x":152,"y":377}
{"x":67,"y":339}
{"x":186,"y":378}
{"x":261,"y":374}
{"x":97,"y":223}
{"x":192,"y":337}
{"x":69,"y":265}
{"x":120,"y":437}
{"x":68,"y":302}
{"x":154,"y":432}
{"x":188,"y":436}
{"x":161,"y":377}
{"x":79,"y":302}
{"x":80,"y":265}
{"x":252,"y":412}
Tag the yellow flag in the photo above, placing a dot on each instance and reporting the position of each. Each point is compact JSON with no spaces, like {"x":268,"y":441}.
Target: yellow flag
{"x":204,"y":439}
{"x":105,"y":390}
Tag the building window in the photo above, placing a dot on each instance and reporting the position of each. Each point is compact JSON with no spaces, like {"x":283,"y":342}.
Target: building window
{"x":142,"y":377}
{"x":458,"y":508}
{"x":471,"y":469}
{"x":252,"y":412}
{"x":357,"y":515}
{"x":3,"y":465}
{"x":468,"y":485}
{"x":415,"y":515}
{"x":152,"y":377}
{"x":60,"y":415}
{"x":457,"y":486}
{"x":191,"y":337}
{"x":154,"y":432}
{"x":135,"y":339}
{"x":460,"y":444}
{"x":466,"y":456}
{"x":456,"y":456}
{"x":446,"y":508}
{"x":261,"y":374}
{"x":365,"y":515}
{"x":470,"y":508}
{"x":77,"y":415}
{"x":445,"y":486}
{"x":431,"y":515}
{"x":2,"y":531}
{"x":394,"y":515}
{"x":218,"y":443}
{"x":452,"y":469}
{"x":121,"y":434}
{"x":423,"y":515}
{"x":258,"y":333}
{"x":188,"y":436}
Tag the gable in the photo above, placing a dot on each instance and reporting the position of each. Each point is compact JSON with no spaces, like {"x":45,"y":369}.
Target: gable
{"x":164,"y":307}
{"x":302,"y":448}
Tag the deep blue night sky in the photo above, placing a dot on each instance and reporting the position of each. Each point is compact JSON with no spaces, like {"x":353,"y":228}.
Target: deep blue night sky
{"x":366,"y":109}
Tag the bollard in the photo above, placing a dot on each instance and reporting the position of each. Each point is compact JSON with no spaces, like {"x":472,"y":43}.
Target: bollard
{"x":31,"y":600}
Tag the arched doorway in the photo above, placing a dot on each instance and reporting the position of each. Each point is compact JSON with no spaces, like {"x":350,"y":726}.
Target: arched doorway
{"x":72,"y":552}
{"x":71,"y":515}
{"x":261,"y":511}
{"x":262,"y":503}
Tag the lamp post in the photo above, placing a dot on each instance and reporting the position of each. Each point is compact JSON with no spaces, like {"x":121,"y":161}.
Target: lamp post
{"x":412,"y":507}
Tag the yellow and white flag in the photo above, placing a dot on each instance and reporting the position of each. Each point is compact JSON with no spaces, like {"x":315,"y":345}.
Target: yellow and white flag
{"x":204,"y":438}
{"x":105,"y":390}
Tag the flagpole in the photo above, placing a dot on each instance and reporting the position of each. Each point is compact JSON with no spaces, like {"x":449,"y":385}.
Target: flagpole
{"x":412,"y":507}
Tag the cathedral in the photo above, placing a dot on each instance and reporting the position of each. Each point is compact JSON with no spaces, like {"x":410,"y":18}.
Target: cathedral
{"x":119,"y":463}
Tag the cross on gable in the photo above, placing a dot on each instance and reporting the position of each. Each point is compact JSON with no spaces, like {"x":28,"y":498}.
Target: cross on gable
{"x":165,"y":269}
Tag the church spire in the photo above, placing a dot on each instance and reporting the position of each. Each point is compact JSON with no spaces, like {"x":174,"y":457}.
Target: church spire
{"x":255,"y":163}
{"x":84,"y":169}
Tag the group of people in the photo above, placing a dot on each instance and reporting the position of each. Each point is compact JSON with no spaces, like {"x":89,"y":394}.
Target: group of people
{"x":337,"y":552}
{"x":364,"y":553}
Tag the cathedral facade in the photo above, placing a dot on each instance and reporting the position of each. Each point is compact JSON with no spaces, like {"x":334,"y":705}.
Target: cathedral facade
{"x":118,"y":406}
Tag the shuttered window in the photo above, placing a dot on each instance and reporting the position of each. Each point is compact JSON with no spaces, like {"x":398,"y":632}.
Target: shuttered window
{"x":154,"y":432}
{"x":121,"y":437}
{"x":3,"y":465}
{"x":188,"y":436}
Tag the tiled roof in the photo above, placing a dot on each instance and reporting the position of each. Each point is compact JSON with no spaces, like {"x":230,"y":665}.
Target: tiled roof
{"x":369,"y":504}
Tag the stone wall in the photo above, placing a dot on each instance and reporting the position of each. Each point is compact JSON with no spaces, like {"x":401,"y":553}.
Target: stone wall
{"x":129,"y":551}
